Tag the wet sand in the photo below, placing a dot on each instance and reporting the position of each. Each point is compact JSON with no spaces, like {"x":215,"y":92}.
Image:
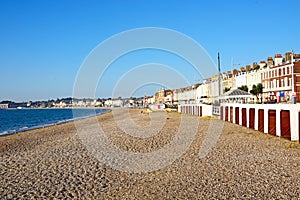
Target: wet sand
{"x":52,"y":162}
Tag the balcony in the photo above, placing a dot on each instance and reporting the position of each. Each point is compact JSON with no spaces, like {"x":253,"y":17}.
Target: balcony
{"x":277,"y":89}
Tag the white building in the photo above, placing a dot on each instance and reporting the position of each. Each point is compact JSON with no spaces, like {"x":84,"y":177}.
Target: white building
{"x":169,"y":98}
{"x":4,"y":106}
{"x":108,"y":103}
{"x":253,"y":78}
{"x":239,"y":80}
{"x":203,"y":93}
{"x":117,"y":102}
{"x":215,"y":84}
{"x":151,"y":100}
{"x":182,"y":94}
{"x":186,"y":95}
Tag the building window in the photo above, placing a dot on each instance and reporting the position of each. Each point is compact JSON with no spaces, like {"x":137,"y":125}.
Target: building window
{"x":275,"y":72}
{"x":279,"y":83}
{"x":287,"y":70}
{"x":279,"y":73}
{"x":283,"y":71}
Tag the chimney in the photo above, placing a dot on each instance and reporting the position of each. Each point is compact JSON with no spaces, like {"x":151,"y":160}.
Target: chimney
{"x":254,"y":65}
{"x":262,"y":64}
{"x":248,"y":68}
{"x":288,"y":56}
{"x":235,"y":71}
{"x":296,"y":56}
{"x":278,"y":59}
{"x":270,"y":61}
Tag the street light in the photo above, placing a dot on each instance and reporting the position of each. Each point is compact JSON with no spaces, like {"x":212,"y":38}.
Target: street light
{"x":293,"y":89}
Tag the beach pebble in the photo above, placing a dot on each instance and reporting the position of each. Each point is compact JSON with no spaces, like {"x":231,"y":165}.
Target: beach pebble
{"x":53,"y":162}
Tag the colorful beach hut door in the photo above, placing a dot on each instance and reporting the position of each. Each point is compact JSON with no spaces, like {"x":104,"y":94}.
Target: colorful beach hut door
{"x":226,"y":113}
{"x":231,"y":114}
{"x":237,"y":115}
{"x":285,"y":123}
{"x":244,"y":117}
{"x":261,"y":121}
{"x":272,"y":122}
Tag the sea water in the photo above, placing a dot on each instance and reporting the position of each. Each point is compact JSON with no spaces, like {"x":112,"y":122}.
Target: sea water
{"x":17,"y":120}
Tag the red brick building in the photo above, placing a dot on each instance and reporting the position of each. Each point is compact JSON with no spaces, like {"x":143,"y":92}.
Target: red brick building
{"x":277,"y":79}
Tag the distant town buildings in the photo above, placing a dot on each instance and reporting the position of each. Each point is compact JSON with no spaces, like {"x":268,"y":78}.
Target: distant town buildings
{"x":3,"y":106}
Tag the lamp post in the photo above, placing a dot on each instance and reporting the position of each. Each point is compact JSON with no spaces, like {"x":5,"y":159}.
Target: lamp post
{"x":219,"y":79}
{"x":293,"y":88}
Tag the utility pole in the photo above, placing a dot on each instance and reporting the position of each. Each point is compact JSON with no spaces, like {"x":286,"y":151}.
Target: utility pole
{"x":293,"y":88}
{"x":219,"y":78}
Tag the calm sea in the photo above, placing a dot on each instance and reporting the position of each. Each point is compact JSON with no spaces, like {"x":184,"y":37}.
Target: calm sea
{"x":12,"y":121}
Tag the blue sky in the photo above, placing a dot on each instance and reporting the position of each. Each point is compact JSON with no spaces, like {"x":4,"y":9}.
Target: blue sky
{"x":44,"y":43}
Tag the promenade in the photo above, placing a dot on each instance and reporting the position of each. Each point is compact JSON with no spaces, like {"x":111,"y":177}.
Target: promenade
{"x":52,"y":162}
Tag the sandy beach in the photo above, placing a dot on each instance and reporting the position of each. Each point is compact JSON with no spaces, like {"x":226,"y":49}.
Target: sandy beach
{"x":53,"y":162}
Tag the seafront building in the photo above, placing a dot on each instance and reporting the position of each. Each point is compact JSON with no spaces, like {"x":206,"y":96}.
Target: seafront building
{"x":227,"y":80}
{"x":275,"y":75}
{"x":186,"y":95}
{"x":277,"y":79}
{"x":239,"y":78}
{"x":254,"y":76}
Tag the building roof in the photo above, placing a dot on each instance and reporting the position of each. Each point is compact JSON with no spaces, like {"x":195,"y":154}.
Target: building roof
{"x":235,"y":93}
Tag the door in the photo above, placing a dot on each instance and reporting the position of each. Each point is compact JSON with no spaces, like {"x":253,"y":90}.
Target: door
{"x":244,"y":117}
{"x":272,"y":122}
{"x":237,"y":115}
{"x":231,"y":114}
{"x":261,"y":122}
{"x":200,"y":111}
{"x":285,"y":124}
{"x":226,"y":113}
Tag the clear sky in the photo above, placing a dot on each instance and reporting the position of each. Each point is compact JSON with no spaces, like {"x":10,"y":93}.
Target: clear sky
{"x":44,"y":42}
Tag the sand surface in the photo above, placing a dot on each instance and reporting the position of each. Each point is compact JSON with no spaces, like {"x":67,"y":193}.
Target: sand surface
{"x":53,"y":162}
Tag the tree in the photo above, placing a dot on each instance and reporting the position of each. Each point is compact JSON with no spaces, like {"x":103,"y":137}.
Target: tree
{"x":226,"y":89}
{"x":256,"y":90}
{"x":259,"y":88}
{"x":244,"y":88}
